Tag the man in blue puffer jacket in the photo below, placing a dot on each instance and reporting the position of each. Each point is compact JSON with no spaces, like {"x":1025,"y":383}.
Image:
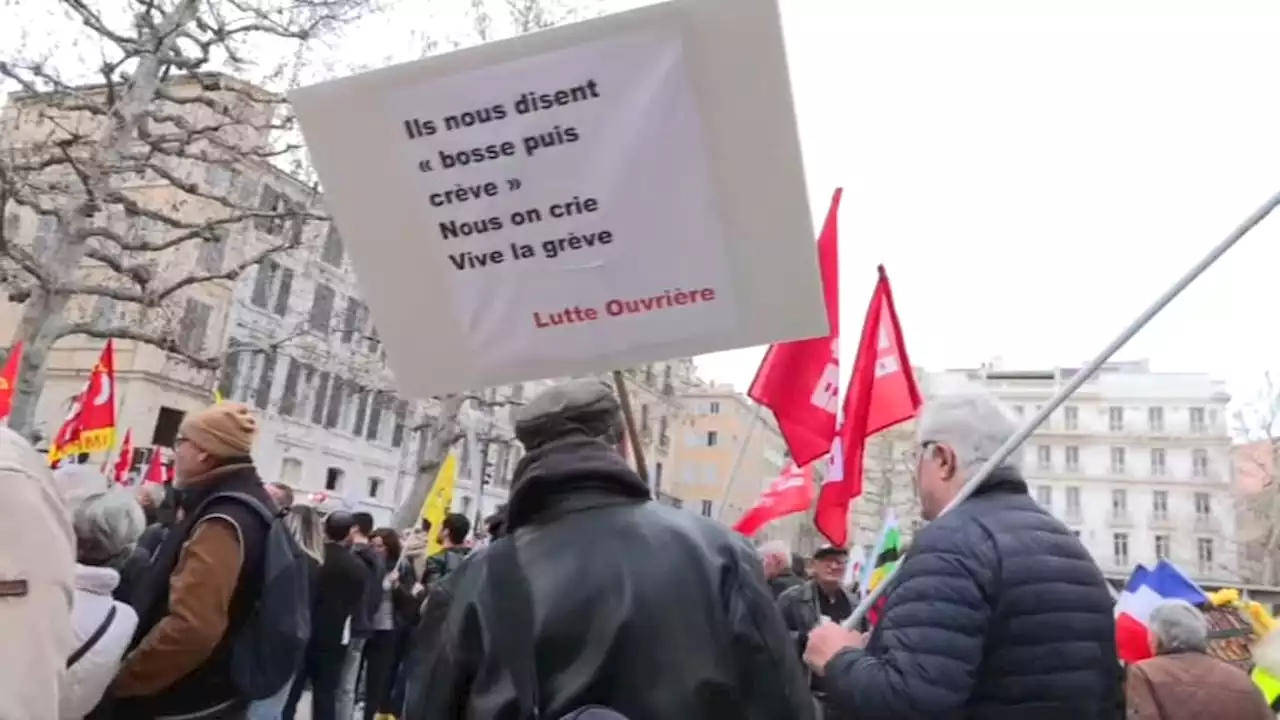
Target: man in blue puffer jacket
{"x":997,"y":613}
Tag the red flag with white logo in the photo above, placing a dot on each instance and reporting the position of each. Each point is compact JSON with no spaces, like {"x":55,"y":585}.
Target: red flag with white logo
{"x":800,"y":380}
{"x":882,"y":393}
{"x":790,"y":493}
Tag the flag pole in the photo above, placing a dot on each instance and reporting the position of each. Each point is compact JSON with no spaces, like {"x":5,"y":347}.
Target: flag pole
{"x":1079,"y":379}
{"x":738,"y":456}
{"x":633,"y":433}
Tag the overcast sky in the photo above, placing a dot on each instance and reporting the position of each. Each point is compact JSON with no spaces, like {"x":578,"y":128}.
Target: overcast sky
{"x":1031,"y":181}
{"x":1034,"y":174}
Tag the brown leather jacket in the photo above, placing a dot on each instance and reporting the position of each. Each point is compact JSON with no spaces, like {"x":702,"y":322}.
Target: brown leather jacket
{"x":1192,"y":686}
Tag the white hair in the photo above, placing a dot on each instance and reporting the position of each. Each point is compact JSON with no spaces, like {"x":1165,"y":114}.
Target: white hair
{"x":1177,"y":625}
{"x":107,"y":520}
{"x":773,"y":548}
{"x":972,"y":424}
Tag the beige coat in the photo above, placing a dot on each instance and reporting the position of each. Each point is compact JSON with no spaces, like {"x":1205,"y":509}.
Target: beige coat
{"x":37,"y":571}
{"x":1192,"y":686}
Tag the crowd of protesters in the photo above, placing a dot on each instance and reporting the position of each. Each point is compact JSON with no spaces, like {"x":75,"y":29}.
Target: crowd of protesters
{"x":136,"y":604}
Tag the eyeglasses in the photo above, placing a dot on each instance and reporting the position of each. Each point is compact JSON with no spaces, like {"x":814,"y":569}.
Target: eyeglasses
{"x":918,"y":452}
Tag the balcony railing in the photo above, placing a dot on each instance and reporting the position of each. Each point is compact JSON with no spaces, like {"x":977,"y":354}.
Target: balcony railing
{"x":1120,"y":519}
{"x":1160,"y":520}
{"x":1207,"y":524}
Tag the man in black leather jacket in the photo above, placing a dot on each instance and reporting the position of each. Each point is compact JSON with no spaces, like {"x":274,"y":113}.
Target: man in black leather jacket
{"x":655,"y":612}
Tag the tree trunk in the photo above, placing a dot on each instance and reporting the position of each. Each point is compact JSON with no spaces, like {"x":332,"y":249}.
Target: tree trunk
{"x":38,"y":330}
{"x":432,"y":451}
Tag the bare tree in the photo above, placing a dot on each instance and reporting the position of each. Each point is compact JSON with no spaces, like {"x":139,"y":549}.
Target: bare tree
{"x":114,"y":179}
{"x":1257,"y":465}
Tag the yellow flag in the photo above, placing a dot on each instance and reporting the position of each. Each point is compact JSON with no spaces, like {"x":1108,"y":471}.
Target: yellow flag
{"x":217,"y":396}
{"x":438,"y":502}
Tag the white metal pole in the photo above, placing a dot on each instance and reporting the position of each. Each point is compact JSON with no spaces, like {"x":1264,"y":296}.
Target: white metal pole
{"x":1080,"y":378}
{"x":738,"y":457}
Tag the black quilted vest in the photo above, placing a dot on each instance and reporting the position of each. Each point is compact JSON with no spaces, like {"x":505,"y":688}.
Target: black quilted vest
{"x":208,"y":688}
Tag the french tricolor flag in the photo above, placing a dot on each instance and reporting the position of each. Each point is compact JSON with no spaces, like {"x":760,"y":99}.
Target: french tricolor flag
{"x":1145,"y":590}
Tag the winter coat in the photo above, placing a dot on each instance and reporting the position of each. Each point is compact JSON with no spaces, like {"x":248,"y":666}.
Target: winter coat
{"x":376,"y":568}
{"x":997,"y":613}
{"x":37,"y":570}
{"x":655,"y":612}
{"x":1192,"y":686}
{"x":85,"y":682}
{"x":783,"y":582}
{"x":341,"y":587}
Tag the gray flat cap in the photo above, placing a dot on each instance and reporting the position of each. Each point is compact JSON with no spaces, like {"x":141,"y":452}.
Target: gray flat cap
{"x":574,"y":407}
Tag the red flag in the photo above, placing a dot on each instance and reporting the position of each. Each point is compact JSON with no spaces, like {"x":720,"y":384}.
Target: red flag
{"x":790,"y":493}
{"x":882,"y":393}
{"x":9,"y":379}
{"x":91,"y":424}
{"x":155,"y":468}
{"x":800,"y":380}
{"x":125,"y":461}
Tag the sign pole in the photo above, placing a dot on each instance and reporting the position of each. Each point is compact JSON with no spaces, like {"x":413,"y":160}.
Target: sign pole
{"x":1079,"y":379}
{"x":738,"y":457}
{"x":633,"y":433}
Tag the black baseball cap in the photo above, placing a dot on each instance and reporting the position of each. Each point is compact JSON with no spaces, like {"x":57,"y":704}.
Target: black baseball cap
{"x":830,"y":551}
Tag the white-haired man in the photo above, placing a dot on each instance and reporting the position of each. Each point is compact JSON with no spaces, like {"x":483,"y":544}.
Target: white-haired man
{"x":1184,"y":682}
{"x":997,"y":611}
{"x":776,"y":558}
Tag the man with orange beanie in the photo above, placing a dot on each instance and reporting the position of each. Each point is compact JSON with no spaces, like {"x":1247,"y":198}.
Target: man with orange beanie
{"x":205,"y":576}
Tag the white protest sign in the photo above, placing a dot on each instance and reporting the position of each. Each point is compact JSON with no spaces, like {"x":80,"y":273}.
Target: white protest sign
{"x":596,"y":196}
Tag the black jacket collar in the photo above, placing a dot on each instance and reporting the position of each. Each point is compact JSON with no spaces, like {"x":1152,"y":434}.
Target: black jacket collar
{"x":568,"y":475}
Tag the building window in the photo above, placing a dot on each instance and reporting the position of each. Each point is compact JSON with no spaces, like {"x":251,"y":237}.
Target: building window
{"x":1157,"y":462}
{"x":1073,"y":500}
{"x":1155,"y":419}
{"x":193,"y":328}
{"x":1120,"y":549}
{"x":1117,"y":460}
{"x":1072,"y":458}
{"x":1071,"y":417}
{"x":1204,"y":555}
{"x":319,"y":398}
{"x":331,"y":255}
{"x":713,"y":438}
{"x":1203,"y":507}
{"x":1115,"y":418}
{"x":211,"y":255}
{"x":1162,"y":547}
{"x":1044,"y":456}
{"x":289,"y":398}
{"x":333,"y":479}
{"x":1195,"y":418}
{"x":272,"y":201}
{"x":657,"y":477}
{"x":1200,"y":463}
{"x":375,"y":486}
{"x":283,"y":290}
{"x":322,"y":308}
{"x":1160,"y":504}
{"x":1044,"y":496}
{"x":714,"y":408}
{"x":1119,"y":503}
{"x":706,"y":508}
{"x":266,"y":382}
